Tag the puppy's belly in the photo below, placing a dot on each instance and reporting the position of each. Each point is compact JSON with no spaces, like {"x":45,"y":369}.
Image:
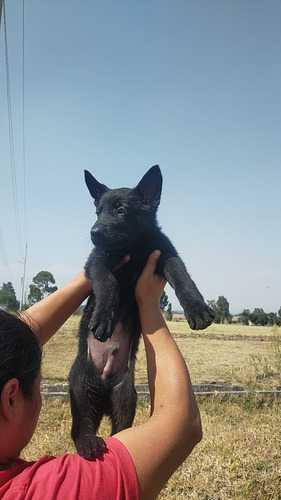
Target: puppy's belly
{"x":110,"y":359}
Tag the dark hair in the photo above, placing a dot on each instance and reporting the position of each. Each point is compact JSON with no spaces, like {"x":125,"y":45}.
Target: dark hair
{"x":20,"y":353}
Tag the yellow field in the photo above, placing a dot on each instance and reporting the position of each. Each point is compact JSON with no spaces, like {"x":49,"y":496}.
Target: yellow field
{"x":239,"y":456}
{"x":219,"y":353}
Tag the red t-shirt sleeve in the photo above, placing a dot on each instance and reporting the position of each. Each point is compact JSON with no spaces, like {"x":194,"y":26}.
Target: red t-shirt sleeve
{"x":111,"y":476}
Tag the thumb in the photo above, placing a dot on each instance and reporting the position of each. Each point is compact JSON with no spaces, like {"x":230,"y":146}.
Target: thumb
{"x":152,"y":262}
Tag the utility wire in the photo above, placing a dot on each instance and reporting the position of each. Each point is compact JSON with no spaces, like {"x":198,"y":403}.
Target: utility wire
{"x":23,"y":117}
{"x":11,"y":141}
{"x":23,"y":153}
{"x":1,"y":4}
{"x":3,"y":254}
{"x":11,"y":135}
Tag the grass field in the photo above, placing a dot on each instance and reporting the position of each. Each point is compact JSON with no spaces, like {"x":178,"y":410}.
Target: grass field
{"x":232,"y":353}
{"x":239,"y":456}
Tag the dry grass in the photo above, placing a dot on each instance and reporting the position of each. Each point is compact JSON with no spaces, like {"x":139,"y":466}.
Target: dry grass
{"x":220,"y":353}
{"x":59,"y":353}
{"x":234,"y":329}
{"x":239,"y":456}
{"x":210,"y":360}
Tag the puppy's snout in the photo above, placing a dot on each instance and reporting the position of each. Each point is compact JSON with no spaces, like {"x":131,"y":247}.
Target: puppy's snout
{"x":96,"y":234}
{"x":95,"y":229}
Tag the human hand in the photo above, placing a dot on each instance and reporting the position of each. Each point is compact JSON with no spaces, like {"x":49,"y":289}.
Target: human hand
{"x":150,"y":285}
{"x":120,"y":264}
{"x":124,"y":261}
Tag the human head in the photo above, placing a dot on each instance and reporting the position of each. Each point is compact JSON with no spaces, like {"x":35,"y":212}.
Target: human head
{"x":20,"y":353}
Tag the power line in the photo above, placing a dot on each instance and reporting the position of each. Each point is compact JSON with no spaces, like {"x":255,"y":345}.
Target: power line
{"x":23,"y":117}
{"x":11,"y":135}
{"x":3,"y":253}
{"x":23,"y":152}
{"x":11,"y":142}
{"x":23,"y":279}
{"x":1,"y":5}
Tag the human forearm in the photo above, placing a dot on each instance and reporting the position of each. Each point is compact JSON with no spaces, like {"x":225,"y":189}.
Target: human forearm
{"x":171,"y":392}
{"x":162,"y":443}
{"x":175,"y":420}
{"x":48,"y":315}
{"x":168,"y":376}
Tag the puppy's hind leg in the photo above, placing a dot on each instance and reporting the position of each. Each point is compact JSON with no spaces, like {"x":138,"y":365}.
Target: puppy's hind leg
{"x":87,"y":398}
{"x":123,"y":403}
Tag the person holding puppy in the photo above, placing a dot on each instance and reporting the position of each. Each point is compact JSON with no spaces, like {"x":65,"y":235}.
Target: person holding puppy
{"x":138,"y":461}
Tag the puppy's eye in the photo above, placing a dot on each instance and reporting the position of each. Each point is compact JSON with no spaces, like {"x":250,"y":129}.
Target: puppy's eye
{"x":121,"y":211}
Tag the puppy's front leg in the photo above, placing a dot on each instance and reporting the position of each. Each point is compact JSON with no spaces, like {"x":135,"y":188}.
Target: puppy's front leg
{"x":198,"y":314}
{"x":107,"y":295}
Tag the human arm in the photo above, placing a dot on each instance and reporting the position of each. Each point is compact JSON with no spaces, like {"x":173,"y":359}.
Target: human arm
{"x":47,"y":316}
{"x":164,"y":441}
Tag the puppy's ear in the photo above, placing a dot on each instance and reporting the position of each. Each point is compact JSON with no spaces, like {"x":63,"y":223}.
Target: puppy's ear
{"x":96,"y":189}
{"x":150,"y":187}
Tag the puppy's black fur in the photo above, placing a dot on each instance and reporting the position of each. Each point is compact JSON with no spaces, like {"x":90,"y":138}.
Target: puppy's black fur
{"x":102,"y":376}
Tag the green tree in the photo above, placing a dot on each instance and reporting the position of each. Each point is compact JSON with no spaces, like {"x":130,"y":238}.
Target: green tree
{"x":163,"y":304}
{"x":213,"y":305}
{"x":168,"y":313}
{"x":35,"y":294}
{"x":163,"y":300}
{"x":259,"y":317}
{"x":8,"y":296}
{"x":41,"y":286}
{"x":272,"y":318}
{"x":278,"y":321}
{"x":245,"y":315}
{"x":8,"y":287}
{"x":223,"y":309}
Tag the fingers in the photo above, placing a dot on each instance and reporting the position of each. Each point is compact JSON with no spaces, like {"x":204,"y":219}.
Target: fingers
{"x":124,"y":261}
{"x":151,"y":263}
{"x":150,"y":285}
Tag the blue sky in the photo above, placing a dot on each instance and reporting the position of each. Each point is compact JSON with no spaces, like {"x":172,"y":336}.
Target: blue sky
{"x":118,"y":86}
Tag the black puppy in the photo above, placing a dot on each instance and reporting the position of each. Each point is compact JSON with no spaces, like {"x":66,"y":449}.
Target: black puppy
{"x":102,"y":376}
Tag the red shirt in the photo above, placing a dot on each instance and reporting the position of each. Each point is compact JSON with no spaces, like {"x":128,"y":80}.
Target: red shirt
{"x":111,"y":476}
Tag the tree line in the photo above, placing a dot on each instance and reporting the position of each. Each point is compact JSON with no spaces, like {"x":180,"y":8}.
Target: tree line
{"x":39,"y":288}
{"x":260,"y":317}
{"x":44,"y":284}
{"x":257,"y":317}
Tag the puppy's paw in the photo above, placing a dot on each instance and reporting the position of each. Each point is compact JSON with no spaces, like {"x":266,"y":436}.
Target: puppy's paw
{"x":90,"y":446}
{"x":199,"y":315}
{"x":102,"y":324}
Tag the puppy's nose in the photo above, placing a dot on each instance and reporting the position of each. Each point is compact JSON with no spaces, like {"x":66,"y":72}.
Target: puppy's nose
{"x":95,"y":229}
{"x":96,"y":234}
